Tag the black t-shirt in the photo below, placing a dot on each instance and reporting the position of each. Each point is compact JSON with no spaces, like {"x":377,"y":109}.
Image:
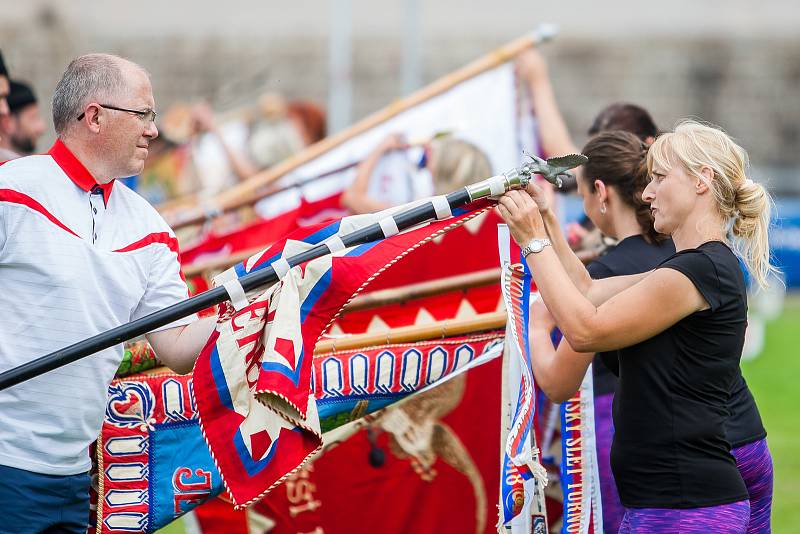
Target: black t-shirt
{"x":635,"y":255}
{"x":672,"y":401}
{"x":632,"y":255}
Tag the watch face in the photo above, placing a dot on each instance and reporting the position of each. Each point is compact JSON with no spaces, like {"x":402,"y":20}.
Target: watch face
{"x":536,"y":246}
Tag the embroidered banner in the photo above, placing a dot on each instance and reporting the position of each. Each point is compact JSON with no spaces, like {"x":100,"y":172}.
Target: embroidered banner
{"x":351,"y":384}
{"x":253,"y":377}
{"x":426,"y":464}
{"x":153,"y":463}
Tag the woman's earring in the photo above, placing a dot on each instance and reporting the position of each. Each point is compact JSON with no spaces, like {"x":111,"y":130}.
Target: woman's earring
{"x":603,"y":208}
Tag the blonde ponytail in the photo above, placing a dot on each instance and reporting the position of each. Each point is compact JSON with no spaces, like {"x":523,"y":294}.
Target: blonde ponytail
{"x":744,"y":203}
{"x":751,"y":219}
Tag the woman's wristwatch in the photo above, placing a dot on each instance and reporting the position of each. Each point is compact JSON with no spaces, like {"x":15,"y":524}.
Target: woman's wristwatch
{"x":535,"y":245}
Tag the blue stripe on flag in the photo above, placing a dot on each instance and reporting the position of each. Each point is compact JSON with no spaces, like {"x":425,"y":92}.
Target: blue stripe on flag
{"x":312,"y":239}
{"x":361,"y":249}
{"x":319,"y":288}
{"x":252,"y":466}
{"x":330,"y":406}
{"x":285,"y":370}
{"x":218,"y":375}
{"x":323,"y":233}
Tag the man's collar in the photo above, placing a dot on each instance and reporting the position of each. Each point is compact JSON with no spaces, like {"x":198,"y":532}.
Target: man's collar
{"x":79,"y":174}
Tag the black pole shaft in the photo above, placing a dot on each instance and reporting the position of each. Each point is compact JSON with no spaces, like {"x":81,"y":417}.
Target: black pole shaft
{"x":254,"y":280}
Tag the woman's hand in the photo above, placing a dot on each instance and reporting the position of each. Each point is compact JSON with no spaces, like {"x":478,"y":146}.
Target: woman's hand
{"x":531,"y":66}
{"x":522,"y":216}
{"x":393,"y":142}
{"x":542,"y":192}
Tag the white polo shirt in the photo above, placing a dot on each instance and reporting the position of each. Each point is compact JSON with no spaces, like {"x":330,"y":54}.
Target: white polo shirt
{"x":76,"y":259}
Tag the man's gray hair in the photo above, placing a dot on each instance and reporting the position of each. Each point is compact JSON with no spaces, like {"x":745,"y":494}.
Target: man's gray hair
{"x":88,"y":77}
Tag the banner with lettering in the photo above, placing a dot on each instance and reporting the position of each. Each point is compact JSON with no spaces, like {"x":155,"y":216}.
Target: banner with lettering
{"x":523,"y":478}
{"x":580,"y":480}
{"x":152,"y":463}
{"x":428,"y":464}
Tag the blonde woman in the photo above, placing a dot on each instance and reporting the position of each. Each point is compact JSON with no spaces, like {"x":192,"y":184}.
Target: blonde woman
{"x":680,"y":328}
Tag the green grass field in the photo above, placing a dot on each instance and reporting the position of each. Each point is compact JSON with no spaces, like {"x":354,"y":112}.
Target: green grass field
{"x":774,"y":378}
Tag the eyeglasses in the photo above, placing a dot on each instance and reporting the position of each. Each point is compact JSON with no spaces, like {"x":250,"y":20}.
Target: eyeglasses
{"x":147,"y":115}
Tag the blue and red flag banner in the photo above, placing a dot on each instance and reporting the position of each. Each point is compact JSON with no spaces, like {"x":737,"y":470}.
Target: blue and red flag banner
{"x":253,"y":379}
{"x":426,"y":464}
{"x":152,"y":460}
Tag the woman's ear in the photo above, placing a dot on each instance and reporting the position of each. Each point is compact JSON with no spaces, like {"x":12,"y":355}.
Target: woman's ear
{"x":704,"y":181}
{"x":601,"y":190}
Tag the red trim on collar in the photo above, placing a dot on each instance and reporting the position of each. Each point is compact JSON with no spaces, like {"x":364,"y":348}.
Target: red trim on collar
{"x":73,"y":168}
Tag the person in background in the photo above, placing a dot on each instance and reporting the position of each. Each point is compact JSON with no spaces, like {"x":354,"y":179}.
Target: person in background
{"x":453,"y":163}
{"x":21,"y":129}
{"x":309,"y":119}
{"x":626,"y":116}
{"x":556,"y":140}
{"x":278,"y":130}
{"x":4,"y":90}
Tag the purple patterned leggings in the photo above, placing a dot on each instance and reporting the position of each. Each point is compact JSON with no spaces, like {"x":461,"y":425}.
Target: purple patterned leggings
{"x":724,"y":519}
{"x":753,"y":460}
{"x":755,"y":465}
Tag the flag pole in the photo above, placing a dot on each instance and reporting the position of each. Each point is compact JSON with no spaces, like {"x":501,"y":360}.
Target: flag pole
{"x":512,"y":179}
{"x":180,"y":214}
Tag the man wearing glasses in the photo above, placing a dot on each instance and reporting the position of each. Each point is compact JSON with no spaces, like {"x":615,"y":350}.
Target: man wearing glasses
{"x":80,"y":254}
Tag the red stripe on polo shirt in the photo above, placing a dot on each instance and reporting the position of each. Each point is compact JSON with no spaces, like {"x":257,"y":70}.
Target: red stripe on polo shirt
{"x":161,"y":237}
{"x":15,"y":197}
